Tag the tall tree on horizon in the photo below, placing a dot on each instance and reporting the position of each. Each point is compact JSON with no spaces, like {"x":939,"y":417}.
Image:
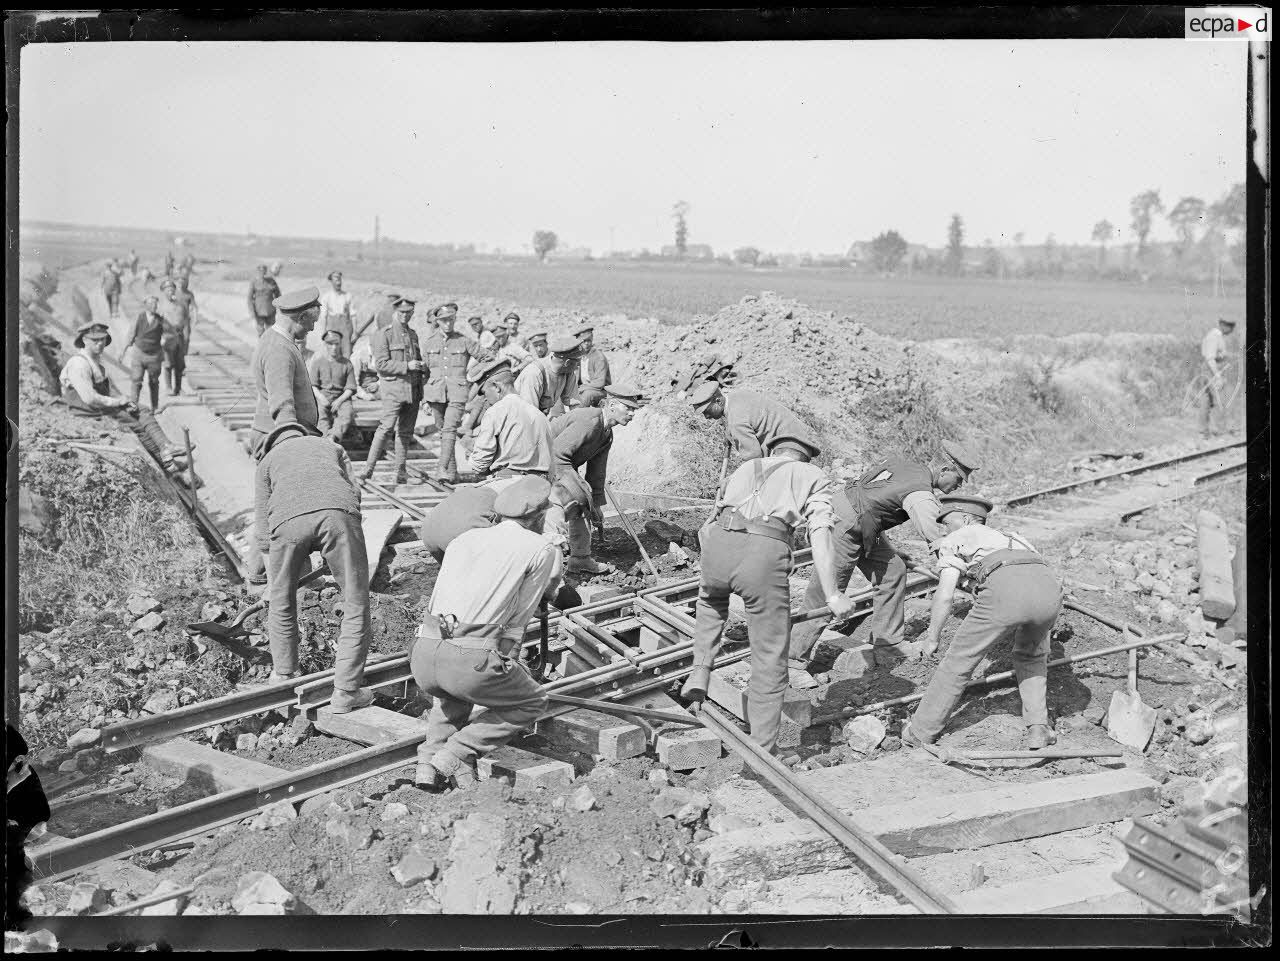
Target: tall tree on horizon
{"x":1186,"y":214}
{"x":955,"y":245}
{"x":681,"y":213}
{"x":1101,"y":234}
{"x":1143,"y":208}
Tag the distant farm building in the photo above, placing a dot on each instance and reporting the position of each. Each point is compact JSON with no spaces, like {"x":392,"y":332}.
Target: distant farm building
{"x":691,"y":252}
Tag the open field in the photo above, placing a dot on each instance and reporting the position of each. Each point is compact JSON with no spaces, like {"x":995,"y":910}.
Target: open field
{"x":919,"y":308}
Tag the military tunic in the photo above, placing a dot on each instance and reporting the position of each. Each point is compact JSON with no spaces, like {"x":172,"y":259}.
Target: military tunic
{"x":447,"y":390}
{"x":399,"y":390}
{"x":753,"y":423}
{"x":595,"y":377}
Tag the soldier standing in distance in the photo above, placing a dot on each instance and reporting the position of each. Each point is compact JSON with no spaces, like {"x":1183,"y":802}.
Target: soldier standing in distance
{"x":398,"y":359}
{"x":1213,"y":350}
{"x":336,"y":310}
{"x":446,"y":354}
{"x":263,"y":290}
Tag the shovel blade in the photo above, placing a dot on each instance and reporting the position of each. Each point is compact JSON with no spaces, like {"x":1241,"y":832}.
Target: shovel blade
{"x":1129,"y":721}
{"x":219,"y":632}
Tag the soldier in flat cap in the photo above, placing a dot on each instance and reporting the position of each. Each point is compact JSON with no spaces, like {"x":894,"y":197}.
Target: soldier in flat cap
{"x":337,"y":310}
{"x":333,"y":380}
{"x":746,"y":550}
{"x":144,"y":351}
{"x":1213,"y":351}
{"x":514,"y":438}
{"x":263,"y":291}
{"x":583,"y":437}
{"x":446,"y":355}
{"x":889,"y":493}
{"x":512,"y":322}
{"x":88,"y":392}
{"x":1016,"y":597}
{"x":280,"y":370}
{"x":753,"y":422}
{"x":467,"y":650}
{"x":306,"y":499}
{"x":537,"y":344}
{"x":398,"y":359}
{"x":551,"y":384}
{"x":475,"y":327}
{"x":593,"y":368}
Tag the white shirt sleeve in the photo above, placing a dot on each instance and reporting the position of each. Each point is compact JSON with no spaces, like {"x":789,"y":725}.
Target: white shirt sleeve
{"x":923,"y":508}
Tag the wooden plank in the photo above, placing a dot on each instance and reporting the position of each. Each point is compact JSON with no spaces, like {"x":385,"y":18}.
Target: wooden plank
{"x":728,"y":688}
{"x":524,"y":770}
{"x":378,"y":526}
{"x":1087,"y":890}
{"x":592,"y":732}
{"x":1217,"y":595}
{"x":1239,"y":582}
{"x":368,"y":725}
{"x":935,"y":824}
{"x":205,"y":767}
{"x":679,"y":748}
{"x":898,"y":778}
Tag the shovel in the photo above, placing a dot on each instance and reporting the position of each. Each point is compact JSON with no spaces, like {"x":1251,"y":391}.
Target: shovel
{"x":1129,"y":720}
{"x":236,"y":629}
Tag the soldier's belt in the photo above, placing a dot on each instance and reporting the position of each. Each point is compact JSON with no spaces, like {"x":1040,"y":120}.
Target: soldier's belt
{"x":468,"y":636}
{"x":1004,"y":558}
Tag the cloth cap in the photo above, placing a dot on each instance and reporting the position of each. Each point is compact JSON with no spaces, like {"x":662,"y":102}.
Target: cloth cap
{"x":584,"y":329}
{"x":961,"y":457}
{"x":968,"y":503}
{"x":704,"y":393}
{"x":91,"y":327}
{"x":563,"y":344}
{"x":512,"y":315}
{"x":270,"y":440}
{"x":540,"y":335}
{"x":526,"y":496}
{"x":334,"y":273}
{"x":332,"y":337}
{"x":296,"y":301}
{"x":495,"y":371}
{"x":633,"y":397}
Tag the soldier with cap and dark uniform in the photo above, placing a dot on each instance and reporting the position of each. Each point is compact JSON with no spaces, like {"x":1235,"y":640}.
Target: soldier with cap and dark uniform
{"x":279,"y":369}
{"x":888,"y":494}
{"x":263,"y":291}
{"x":753,"y":422}
{"x":333,"y":381}
{"x":336,"y":309}
{"x":593,"y":366}
{"x":1016,"y":596}
{"x":306,"y":499}
{"x":144,"y":351}
{"x":399,"y":363}
{"x":88,"y":391}
{"x":467,"y":649}
{"x":446,"y":354}
{"x":583,"y":437}
{"x":551,"y":384}
{"x":746,"y":550}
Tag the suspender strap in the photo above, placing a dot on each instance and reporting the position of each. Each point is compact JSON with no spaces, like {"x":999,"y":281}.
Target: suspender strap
{"x":468,"y":636}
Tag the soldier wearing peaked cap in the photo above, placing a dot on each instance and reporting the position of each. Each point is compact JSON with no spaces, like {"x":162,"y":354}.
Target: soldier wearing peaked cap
{"x":889,"y":493}
{"x":593,"y":368}
{"x":467,"y":649}
{"x":753,"y":422}
{"x":537,"y":344}
{"x":1016,"y":597}
{"x":514,"y":438}
{"x":398,"y":360}
{"x":551,"y":383}
{"x":446,"y":355}
{"x":306,"y":499}
{"x":583,"y":438}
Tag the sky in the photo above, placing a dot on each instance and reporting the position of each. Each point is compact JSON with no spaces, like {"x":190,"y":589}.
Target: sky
{"x":786,"y":146}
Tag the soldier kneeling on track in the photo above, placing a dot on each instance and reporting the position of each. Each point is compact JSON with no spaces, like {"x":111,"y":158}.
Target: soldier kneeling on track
{"x":1017,"y":596}
{"x":467,"y":649}
{"x":307,"y":499}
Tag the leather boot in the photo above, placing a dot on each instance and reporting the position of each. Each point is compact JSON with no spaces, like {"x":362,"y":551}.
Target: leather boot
{"x":586,"y":565}
{"x":376,"y":447}
{"x":448,"y":470}
{"x":695,"y":688}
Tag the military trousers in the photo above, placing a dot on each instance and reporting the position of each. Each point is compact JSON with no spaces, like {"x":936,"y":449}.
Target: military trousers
{"x":447,"y":417}
{"x":880,"y":565}
{"x":755,"y":568}
{"x":591,"y":396}
{"x":145,"y":367}
{"x":1210,"y":401}
{"x":1018,"y":603}
{"x":461,"y":678}
{"x":264,"y":322}
{"x":339,"y":538}
{"x":337,"y":419}
{"x":175,"y":362}
{"x":397,"y":418}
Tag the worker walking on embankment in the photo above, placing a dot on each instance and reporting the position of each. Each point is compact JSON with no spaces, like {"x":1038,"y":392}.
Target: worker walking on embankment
{"x":177,"y":335}
{"x":467,"y":650}
{"x":399,"y":363}
{"x":306,"y":499}
{"x":111,"y":286}
{"x":1016,"y":596}
{"x":143,"y":351}
{"x":746,"y":550}
{"x":583,"y":438}
{"x":753,"y":423}
{"x":1213,"y":351}
{"x":888,"y":494}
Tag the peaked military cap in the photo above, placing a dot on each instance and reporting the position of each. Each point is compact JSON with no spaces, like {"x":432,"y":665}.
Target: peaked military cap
{"x":512,"y":315}
{"x":332,"y":337}
{"x":494,"y":371}
{"x":445,"y":310}
{"x":296,"y":301}
{"x":563,"y":344}
{"x":633,"y":397}
{"x":961,"y":457}
{"x":704,"y":393}
{"x":585,"y":328}
{"x":979,"y":507}
{"x":403,"y":303}
{"x":539,"y":335}
{"x":526,"y":496}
